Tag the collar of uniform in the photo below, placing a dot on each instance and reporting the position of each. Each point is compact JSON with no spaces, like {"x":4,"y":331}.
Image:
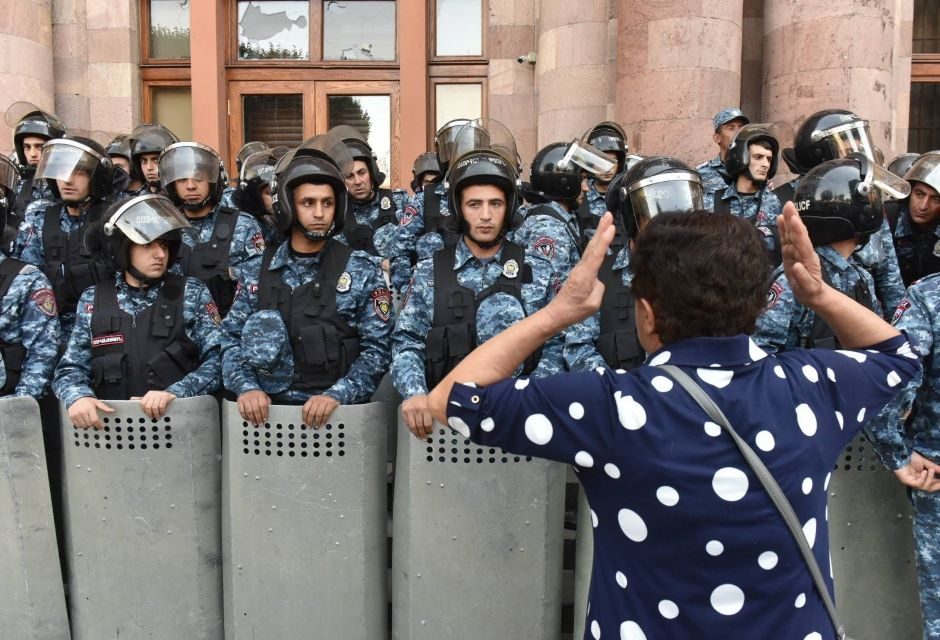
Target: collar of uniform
{"x":463,"y":255}
{"x":200,"y":223}
{"x":283,"y":256}
{"x":733,"y":351}
{"x":716,"y":164}
{"x":137,"y":292}
{"x":568,"y":215}
{"x":834,"y":258}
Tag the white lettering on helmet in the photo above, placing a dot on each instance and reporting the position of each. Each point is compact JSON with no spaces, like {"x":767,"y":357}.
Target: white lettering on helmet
{"x":802,"y":205}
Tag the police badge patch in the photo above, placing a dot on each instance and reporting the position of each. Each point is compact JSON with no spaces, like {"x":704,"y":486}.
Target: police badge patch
{"x":904,"y":306}
{"x":382,"y":303}
{"x":344,"y":283}
{"x":936,"y":249}
{"x":773,"y":295}
{"x":511,"y":269}
{"x":45,"y":301}
{"x":545,"y":246}
{"x":385,"y":203}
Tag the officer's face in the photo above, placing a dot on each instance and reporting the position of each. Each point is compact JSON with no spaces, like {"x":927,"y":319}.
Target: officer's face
{"x":759,"y":164}
{"x":924,"y":204}
{"x":152,"y":259}
{"x":32,"y":149}
{"x":121,"y":161}
{"x":726,"y":133}
{"x":192,"y":190}
{"x":484,"y":211}
{"x":605,"y":178}
{"x":76,"y":188}
{"x":359,"y":183}
{"x":315,"y":207}
{"x":265,"y":193}
{"x":150,"y":167}
{"x":427,"y":178}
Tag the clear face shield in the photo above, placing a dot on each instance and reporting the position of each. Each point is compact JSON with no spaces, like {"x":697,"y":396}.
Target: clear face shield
{"x":877,"y":177}
{"x":61,"y":159}
{"x":19,"y":111}
{"x":672,"y":192}
{"x":182,"y":161}
{"x":485,"y":134}
{"x":146,"y":218}
{"x":261,"y":165}
{"x":853,"y":137}
{"x":444,"y":139}
{"x":329,"y":144}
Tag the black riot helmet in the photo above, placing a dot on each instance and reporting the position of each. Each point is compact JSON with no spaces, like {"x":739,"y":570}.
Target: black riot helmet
{"x":26,"y":119}
{"x":361,"y":150}
{"x":119,"y":147}
{"x":424,"y":164}
{"x":65,"y":156}
{"x":139,"y":220}
{"x":444,"y":141}
{"x":827,"y":135}
{"x":902,"y":163}
{"x":247,"y":149}
{"x":257,"y":171}
{"x":616,"y":192}
{"x":483,"y":152}
{"x":183,"y":160}
{"x":651,"y":186}
{"x":611,"y":138}
{"x":552,"y":177}
{"x":148,"y":138}
{"x":738,"y":157}
{"x":322,"y":159}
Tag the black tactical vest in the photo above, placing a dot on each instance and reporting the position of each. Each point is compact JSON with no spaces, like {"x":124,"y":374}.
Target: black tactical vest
{"x":14,"y":355}
{"x":69,"y":266}
{"x":359,"y":235}
{"x":133,"y":355}
{"x":208,"y":261}
{"x":587,"y":226}
{"x":453,"y":333}
{"x":22,"y":200}
{"x":618,"y":343}
{"x":821,"y":334}
{"x":324,"y":345}
{"x":917,"y":255}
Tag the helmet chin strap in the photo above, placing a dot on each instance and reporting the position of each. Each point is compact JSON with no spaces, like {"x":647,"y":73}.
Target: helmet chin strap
{"x":145,"y":282}
{"x":315,"y":236}
{"x":197,"y":206}
{"x":77,"y":203}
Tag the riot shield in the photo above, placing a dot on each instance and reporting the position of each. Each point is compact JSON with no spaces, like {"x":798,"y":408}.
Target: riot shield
{"x":477,"y":541}
{"x":304,"y":525}
{"x":33,"y":601}
{"x":143,"y":541}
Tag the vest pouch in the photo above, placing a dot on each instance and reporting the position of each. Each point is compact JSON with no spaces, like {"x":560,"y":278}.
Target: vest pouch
{"x":606,"y":347}
{"x":171,"y":365}
{"x":13,"y":357}
{"x":223,"y":292}
{"x":435,"y":355}
{"x":107,"y":369}
{"x":318,"y":350}
{"x":460,"y":341}
{"x":351,"y":350}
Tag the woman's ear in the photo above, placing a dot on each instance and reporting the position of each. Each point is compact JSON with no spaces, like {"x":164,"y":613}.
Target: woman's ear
{"x":646,"y":326}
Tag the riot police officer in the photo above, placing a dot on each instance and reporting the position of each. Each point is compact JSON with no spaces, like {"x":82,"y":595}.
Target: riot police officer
{"x":228,"y":194}
{"x":726,"y":124}
{"x":227,"y":244}
{"x":29,"y":324}
{"x":32,"y":128}
{"x":253,"y":194}
{"x":119,"y":150}
{"x":827,"y":135}
{"x":148,"y":334}
{"x":147,"y":141}
{"x":898,"y":166}
{"x":330,"y":299}
{"x":840,"y":206}
{"x":651,"y":186}
{"x":79,"y":173}
{"x":426,"y":170}
{"x":471,"y":290}
{"x":917,"y":236}
{"x":610,"y":139}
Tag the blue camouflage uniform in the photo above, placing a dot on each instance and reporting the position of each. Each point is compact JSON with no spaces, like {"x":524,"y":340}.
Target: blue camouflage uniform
{"x":411,"y":239}
{"x":495,"y":313}
{"x":227,"y":199}
{"x":28,"y":317}
{"x":879,"y":257}
{"x":896,"y":433}
{"x":73,"y":375}
{"x":760,"y":209}
{"x":714,"y":176}
{"x":367,"y":213}
{"x":785,"y":323}
{"x":549,"y":237}
{"x":597,"y":201}
{"x":359,"y":301}
{"x":245,"y":249}
{"x":918,"y":249}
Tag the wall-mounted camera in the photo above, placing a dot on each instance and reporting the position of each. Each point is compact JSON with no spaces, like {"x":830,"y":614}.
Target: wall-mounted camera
{"x":527,"y":58}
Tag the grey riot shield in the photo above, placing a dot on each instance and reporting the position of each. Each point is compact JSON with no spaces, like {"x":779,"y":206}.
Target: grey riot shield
{"x":872,"y":548}
{"x":477,"y":541}
{"x":143,"y":540}
{"x":304,"y":525}
{"x":583,"y":563}
{"x":32,"y":601}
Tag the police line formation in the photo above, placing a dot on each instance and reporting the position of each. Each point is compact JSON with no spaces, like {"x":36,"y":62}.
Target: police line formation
{"x":135,"y":271}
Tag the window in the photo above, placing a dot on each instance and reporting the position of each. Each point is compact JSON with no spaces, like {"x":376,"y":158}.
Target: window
{"x":924,"y":122}
{"x":926,"y":26}
{"x":273,"y":30}
{"x":168,"y":32}
{"x":372,"y":116}
{"x":457,"y":100}
{"x":173,"y":107}
{"x":363,"y":30}
{"x":458,"y":28}
{"x":277,"y":119}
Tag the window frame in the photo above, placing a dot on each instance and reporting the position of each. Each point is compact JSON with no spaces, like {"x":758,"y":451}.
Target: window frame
{"x":433,"y":58}
{"x":146,"y":60}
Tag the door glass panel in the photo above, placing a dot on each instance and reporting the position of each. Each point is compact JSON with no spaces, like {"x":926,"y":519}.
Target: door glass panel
{"x":169,"y":29}
{"x":372,"y":116}
{"x":459,"y":28}
{"x":454,"y":101}
{"x":358,"y":30}
{"x":276,"y":30}
{"x":173,"y":108}
{"x":924,"y":131}
{"x":277,"y":119}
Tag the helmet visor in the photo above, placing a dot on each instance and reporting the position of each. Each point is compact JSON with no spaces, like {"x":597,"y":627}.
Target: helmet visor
{"x":589,"y":158}
{"x":926,"y":169}
{"x":328,"y":143}
{"x":484,"y":134}
{"x":675,"y":192}
{"x":889,"y":184}
{"x":19,"y":111}
{"x":146,"y":218}
{"x":854,"y":137}
{"x":188,"y":160}
{"x":444,"y":139}
{"x":61,"y":159}
{"x":261,"y":165}
{"x":8,"y":174}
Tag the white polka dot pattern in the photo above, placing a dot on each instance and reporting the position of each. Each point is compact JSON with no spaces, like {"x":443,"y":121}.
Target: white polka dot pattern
{"x":727,"y":599}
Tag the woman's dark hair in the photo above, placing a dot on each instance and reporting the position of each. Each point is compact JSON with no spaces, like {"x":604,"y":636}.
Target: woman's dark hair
{"x":705,"y":274}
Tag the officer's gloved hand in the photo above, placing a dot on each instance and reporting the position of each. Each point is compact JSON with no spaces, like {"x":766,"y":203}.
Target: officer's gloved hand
{"x":417,"y":416}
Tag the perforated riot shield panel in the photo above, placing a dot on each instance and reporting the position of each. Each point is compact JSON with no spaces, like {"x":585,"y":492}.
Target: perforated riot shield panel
{"x":32,"y":600}
{"x":477,"y":541}
{"x":143,"y":524}
{"x":304,"y":525}
{"x":872,"y":548}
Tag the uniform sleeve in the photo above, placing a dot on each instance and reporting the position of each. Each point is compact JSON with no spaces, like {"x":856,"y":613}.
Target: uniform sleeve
{"x":374,"y":321}
{"x":203,"y":327}
{"x":548,"y":237}
{"x":887,"y":273}
{"x":72,"y":378}
{"x":540,"y":293}
{"x":39,"y":332}
{"x":237,"y":377}
{"x":565,"y":417}
{"x":411,"y":329}
{"x":246,"y":250}
{"x":28,"y":244}
{"x":580,"y":349}
{"x":775,"y":322}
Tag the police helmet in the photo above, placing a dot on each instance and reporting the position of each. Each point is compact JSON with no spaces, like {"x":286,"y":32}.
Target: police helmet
{"x":444,"y":140}
{"x":902,"y":163}
{"x":552,"y":177}
{"x":26,"y":119}
{"x":139,"y":220}
{"x":322,"y":159}
{"x":424,"y":164}
{"x":247,"y":149}
{"x":257,"y":171}
{"x":616,"y":193}
{"x":611,"y":138}
{"x":148,"y":138}
{"x":651,"y":186}
{"x":827,"y":135}
{"x":361,"y":150}
{"x":183,"y":160}
{"x":837,"y":200}
{"x":926,"y":169}
{"x":63,"y":157}
{"x":119,"y":147}
{"x":738,"y":157}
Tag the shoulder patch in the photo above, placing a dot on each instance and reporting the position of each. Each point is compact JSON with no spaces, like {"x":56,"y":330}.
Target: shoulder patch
{"x":214,"y":314}
{"x":408,"y":215}
{"x":773,"y":295}
{"x":382,"y":303}
{"x":899,"y":312}
{"x":544,"y":246}
{"x":44,"y":300}
{"x":257,"y":242}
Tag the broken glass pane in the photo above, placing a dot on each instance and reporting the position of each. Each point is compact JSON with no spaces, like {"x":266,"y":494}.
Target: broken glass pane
{"x":273,"y":30}
{"x":358,"y":30}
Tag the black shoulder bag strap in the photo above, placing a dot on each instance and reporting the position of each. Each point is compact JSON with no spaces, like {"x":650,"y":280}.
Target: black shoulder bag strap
{"x":767,"y":481}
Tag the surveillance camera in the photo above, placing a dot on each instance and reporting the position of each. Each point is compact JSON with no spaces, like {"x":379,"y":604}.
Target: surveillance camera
{"x":527,"y":58}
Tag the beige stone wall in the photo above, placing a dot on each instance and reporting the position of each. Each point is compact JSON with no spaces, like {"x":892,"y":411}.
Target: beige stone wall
{"x":26,"y":70}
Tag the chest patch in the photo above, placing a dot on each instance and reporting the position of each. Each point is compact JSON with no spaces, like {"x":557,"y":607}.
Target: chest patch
{"x":344,"y":283}
{"x":511,"y":269}
{"x":107,"y":341}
